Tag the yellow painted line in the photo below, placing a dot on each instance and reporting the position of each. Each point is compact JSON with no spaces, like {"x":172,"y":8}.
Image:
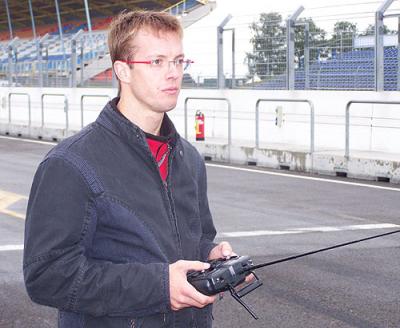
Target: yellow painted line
{"x":7,"y":199}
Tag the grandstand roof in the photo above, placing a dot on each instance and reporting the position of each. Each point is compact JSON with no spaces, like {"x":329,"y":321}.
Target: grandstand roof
{"x":71,"y":10}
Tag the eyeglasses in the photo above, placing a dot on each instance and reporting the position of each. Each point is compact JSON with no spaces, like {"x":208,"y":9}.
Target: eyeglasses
{"x":159,"y":63}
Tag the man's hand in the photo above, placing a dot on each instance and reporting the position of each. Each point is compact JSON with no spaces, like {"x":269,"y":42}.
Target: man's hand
{"x":183,"y":294}
{"x":224,"y":250}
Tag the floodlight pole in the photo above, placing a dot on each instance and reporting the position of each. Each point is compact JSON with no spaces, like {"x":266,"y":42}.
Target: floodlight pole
{"x":9,"y":19}
{"x":290,"y":25}
{"x":379,"y":54}
{"x":220,"y":51}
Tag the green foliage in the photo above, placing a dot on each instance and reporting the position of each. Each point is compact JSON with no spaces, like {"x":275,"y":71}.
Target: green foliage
{"x":269,"y":45}
{"x":268,"y":57}
{"x":370,"y":30}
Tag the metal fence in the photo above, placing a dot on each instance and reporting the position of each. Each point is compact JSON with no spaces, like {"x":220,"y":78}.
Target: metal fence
{"x":270,"y":51}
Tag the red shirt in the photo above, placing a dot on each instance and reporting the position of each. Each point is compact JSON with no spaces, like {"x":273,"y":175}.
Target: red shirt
{"x":160,"y":150}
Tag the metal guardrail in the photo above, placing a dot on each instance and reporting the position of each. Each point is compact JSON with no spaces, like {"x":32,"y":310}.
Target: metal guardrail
{"x":285,"y":100}
{"x":65,"y":108}
{"x":29,"y":106}
{"x":370,"y":102}
{"x":229,"y":117}
{"x":90,"y":96}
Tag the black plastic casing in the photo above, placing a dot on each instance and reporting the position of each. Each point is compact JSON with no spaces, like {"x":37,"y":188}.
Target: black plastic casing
{"x":221,"y":275}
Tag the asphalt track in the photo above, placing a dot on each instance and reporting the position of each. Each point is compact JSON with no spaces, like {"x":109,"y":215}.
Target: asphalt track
{"x":267,"y":215}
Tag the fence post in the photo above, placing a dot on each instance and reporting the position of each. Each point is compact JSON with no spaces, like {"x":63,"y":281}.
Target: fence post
{"x":379,"y":53}
{"x":220,"y":51}
{"x":290,"y":24}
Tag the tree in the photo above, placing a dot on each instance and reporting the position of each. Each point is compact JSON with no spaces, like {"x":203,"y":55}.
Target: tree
{"x":342,"y":37}
{"x":370,"y":30}
{"x":269,"y":44}
{"x":316,"y":37}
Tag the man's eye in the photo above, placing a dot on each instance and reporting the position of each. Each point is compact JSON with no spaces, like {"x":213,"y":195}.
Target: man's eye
{"x":180,"y":61}
{"x":157,"y":62}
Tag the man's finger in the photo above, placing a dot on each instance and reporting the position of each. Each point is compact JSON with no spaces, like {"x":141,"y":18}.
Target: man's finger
{"x":226,"y":249}
{"x":194,"y":265}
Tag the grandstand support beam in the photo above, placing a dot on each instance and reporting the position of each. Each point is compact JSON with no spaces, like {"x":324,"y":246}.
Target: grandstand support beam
{"x":379,"y":54}
{"x":32,"y":19}
{"x":9,"y":19}
{"x":60,"y":29}
{"x":290,"y":63}
{"x":220,"y":51}
{"x":38,"y":48}
{"x":89,"y":24}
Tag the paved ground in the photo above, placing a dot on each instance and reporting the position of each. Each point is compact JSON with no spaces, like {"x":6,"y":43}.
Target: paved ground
{"x":267,"y":215}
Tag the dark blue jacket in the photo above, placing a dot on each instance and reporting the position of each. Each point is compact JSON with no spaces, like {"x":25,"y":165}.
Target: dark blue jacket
{"x":102,"y":227}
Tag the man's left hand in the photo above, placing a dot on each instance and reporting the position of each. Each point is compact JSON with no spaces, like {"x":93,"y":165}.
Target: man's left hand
{"x":222,"y":250}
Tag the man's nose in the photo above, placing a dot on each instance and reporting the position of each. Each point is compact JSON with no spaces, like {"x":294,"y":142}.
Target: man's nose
{"x":173,"y":70}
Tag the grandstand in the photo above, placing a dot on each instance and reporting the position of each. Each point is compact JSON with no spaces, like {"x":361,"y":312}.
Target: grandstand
{"x":49,"y":59}
{"x":353,"y":70}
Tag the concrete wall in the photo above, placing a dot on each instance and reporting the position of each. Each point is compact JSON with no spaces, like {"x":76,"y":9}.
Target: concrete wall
{"x":374,"y":130}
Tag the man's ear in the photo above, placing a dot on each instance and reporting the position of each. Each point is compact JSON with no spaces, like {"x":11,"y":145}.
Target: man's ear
{"x":122,"y":71}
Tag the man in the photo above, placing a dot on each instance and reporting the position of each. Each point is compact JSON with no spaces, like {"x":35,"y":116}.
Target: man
{"x":118,"y":213}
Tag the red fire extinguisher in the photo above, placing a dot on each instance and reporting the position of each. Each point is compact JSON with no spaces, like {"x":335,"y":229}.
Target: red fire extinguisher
{"x":199,"y":126}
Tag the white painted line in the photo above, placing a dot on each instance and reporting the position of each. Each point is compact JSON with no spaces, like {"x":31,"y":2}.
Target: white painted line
{"x":30,"y":140}
{"x":6,"y":248}
{"x":237,"y":234}
{"x":294,"y":176}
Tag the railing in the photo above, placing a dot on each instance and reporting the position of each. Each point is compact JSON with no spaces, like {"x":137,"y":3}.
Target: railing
{"x":92,"y":96}
{"x":311,"y":105}
{"x":65,"y":108}
{"x":229,"y":117}
{"x":29,"y":106}
{"x":181,"y":7}
{"x":370,"y":102}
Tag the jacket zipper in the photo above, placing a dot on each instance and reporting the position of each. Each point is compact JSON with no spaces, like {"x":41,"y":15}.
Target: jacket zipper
{"x":167,"y":191}
{"x":169,"y":195}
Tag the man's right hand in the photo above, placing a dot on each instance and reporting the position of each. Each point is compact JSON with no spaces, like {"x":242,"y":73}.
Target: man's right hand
{"x":183,"y":294}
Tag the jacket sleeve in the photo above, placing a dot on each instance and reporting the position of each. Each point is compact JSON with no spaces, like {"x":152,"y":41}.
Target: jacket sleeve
{"x":208,"y":229}
{"x":57,"y":271}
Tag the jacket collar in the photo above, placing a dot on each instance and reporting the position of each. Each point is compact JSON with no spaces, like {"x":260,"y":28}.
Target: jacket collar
{"x":112,"y":119}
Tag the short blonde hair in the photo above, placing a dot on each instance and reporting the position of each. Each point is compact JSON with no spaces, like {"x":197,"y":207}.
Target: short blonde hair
{"x":126,"y":25}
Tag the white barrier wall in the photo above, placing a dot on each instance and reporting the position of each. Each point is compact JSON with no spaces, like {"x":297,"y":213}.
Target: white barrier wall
{"x":373,"y":127}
